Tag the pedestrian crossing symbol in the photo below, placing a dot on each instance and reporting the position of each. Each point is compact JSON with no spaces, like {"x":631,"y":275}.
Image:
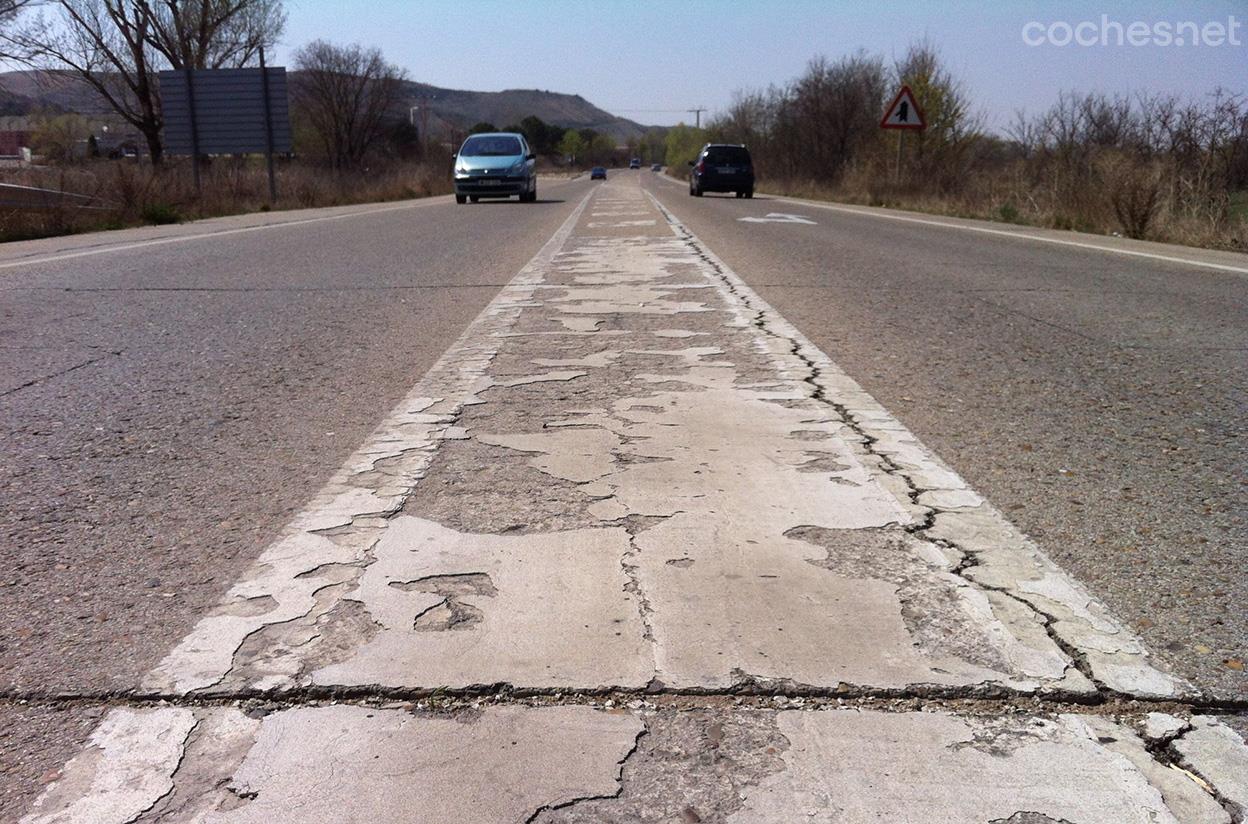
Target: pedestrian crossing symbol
{"x":903,"y":112}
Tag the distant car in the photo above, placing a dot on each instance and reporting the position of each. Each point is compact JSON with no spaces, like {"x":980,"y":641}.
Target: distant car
{"x":656,"y":167}
{"x":495,"y":164}
{"x":597,"y":173}
{"x":722,"y":167}
{"x":635,"y":163}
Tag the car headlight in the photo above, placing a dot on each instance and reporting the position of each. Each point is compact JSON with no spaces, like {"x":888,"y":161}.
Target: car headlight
{"x":517,"y":167}
{"x":460,"y":170}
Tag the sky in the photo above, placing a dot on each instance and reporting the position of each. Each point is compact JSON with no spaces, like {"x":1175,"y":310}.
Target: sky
{"x":652,"y":61}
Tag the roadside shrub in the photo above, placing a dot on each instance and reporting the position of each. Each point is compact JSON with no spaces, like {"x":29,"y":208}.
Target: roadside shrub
{"x":160,"y":214}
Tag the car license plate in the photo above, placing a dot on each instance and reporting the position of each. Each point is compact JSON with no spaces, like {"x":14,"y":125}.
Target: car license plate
{"x":486,"y":182}
{"x":725,"y":170}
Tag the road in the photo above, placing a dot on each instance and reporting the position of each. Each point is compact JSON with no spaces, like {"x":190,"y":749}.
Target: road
{"x":669,"y":537}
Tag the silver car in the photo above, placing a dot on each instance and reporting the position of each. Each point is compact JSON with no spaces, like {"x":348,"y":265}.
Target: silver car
{"x":495,"y":164}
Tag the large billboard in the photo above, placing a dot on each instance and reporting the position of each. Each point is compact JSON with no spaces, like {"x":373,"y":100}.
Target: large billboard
{"x":223,"y":111}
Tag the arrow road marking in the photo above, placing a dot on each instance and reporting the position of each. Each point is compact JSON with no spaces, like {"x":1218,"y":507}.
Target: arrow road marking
{"x":778,"y":217}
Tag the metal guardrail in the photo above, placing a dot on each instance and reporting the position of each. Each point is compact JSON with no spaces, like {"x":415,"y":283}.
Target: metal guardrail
{"x":13,"y":196}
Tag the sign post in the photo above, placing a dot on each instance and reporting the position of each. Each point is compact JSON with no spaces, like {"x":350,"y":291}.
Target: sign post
{"x":268,"y":129}
{"x":190,"y":107}
{"x":903,"y":114}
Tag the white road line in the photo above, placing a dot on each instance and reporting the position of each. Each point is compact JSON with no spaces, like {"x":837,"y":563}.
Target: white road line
{"x":1239,"y":270}
{"x":125,"y":247}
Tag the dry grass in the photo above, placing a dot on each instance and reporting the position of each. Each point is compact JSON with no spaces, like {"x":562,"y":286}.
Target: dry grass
{"x":132,"y":194}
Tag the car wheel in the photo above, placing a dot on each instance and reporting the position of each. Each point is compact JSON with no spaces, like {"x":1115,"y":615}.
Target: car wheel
{"x":749,"y":193}
{"x":697,"y":192}
{"x":473,"y":198}
{"x":461,"y":198}
{"x":740,"y":195}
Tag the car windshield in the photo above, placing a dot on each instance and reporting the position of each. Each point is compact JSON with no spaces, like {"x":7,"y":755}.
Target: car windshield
{"x":491,"y":146}
{"x":733,"y":155}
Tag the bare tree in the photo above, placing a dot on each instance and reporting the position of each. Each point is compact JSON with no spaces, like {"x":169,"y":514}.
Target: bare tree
{"x":105,"y":44}
{"x":213,"y":34}
{"x":345,"y":94}
{"x":117,"y":46}
{"x":9,"y":10}
{"x":947,"y":146}
{"x":815,"y":127}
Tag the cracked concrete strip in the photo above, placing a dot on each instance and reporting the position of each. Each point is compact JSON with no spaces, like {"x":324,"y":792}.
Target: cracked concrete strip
{"x":850,"y":766}
{"x":550,"y":610}
{"x":125,"y":769}
{"x":1215,"y":753}
{"x":734,"y":454}
{"x":314,"y":763}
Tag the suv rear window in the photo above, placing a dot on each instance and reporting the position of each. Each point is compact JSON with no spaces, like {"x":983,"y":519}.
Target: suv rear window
{"x":731,"y":155}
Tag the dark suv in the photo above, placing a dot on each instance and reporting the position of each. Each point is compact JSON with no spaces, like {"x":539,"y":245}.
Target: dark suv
{"x":722,"y":167}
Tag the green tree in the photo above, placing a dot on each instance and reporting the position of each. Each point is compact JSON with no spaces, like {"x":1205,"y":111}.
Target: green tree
{"x":543,"y":137}
{"x":652,"y":145}
{"x":483,"y":127}
{"x":601,"y":148}
{"x":62,"y":138}
{"x":682,"y":144}
{"x":572,"y":145}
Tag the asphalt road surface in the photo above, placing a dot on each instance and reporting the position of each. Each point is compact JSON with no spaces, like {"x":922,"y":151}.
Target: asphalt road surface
{"x":190,"y":520}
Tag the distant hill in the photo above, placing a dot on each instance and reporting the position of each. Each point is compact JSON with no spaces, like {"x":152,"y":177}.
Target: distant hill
{"x":50,"y":91}
{"x":450,"y":109}
{"x":463,"y":109}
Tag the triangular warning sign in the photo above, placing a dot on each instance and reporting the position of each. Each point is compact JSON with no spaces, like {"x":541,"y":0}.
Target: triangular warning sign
{"x":903,"y":112}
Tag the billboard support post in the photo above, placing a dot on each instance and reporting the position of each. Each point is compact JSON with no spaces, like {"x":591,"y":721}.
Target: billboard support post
{"x":190,"y":100}
{"x":268,"y":129}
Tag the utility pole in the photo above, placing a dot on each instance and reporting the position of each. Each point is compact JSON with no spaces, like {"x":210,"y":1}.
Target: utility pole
{"x":697,"y":113}
{"x":423,"y":108}
{"x":424,"y":127}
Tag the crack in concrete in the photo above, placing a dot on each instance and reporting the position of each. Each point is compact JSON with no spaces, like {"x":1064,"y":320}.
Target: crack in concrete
{"x":1166,"y":751}
{"x":45,"y":378}
{"x":746,"y":687}
{"x":619,"y":784}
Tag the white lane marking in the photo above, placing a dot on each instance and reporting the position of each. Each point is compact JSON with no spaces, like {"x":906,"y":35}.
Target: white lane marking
{"x":778,"y":217}
{"x":1241,"y":270}
{"x":1223,"y":267}
{"x":125,"y":247}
